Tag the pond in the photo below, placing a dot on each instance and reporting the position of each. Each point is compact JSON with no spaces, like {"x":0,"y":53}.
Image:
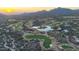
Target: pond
{"x":44,"y":29}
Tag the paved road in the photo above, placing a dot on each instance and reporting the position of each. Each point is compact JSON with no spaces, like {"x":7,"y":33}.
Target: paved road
{"x":5,"y":44}
{"x":70,"y":43}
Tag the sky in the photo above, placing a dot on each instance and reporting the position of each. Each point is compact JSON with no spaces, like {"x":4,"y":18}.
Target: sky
{"x":37,"y":3}
{"x":9,"y":6}
{"x":24,"y":9}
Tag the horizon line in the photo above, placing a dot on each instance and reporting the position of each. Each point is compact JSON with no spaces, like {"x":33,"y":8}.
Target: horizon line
{"x":14,"y":11}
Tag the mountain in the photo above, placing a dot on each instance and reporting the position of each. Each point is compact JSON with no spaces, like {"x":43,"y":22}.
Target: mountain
{"x":41,"y":14}
{"x":53,"y":12}
{"x":61,"y":11}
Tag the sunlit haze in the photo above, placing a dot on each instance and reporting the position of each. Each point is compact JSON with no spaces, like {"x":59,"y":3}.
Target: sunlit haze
{"x":26,"y":9}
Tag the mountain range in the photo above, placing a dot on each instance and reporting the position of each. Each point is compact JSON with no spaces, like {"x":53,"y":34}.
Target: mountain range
{"x":56,"y":11}
{"x":43,"y":13}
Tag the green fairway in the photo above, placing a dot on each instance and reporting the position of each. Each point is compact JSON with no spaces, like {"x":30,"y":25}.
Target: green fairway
{"x":47,"y":40}
{"x":65,"y":46}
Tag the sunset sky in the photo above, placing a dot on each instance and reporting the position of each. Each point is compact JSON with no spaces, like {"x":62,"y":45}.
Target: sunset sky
{"x":11,"y":6}
{"x":24,"y":9}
